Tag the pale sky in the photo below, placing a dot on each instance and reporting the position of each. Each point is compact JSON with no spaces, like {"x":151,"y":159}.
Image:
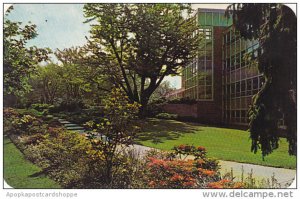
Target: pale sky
{"x":61,"y":25}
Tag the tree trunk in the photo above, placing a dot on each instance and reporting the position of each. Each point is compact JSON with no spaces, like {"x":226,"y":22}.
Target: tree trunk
{"x":144,"y":102}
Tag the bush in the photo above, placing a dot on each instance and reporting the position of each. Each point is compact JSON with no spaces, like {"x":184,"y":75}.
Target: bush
{"x":164,"y":170}
{"x":167,"y":116}
{"x":71,"y":105}
{"x":66,"y":156}
{"x":42,"y":107}
{"x":9,"y":115}
{"x":155,"y":107}
{"x":31,"y":112}
{"x":118,"y":127}
{"x":184,"y":100}
{"x":178,"y":174}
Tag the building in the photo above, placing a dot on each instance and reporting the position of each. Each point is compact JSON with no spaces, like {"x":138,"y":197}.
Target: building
{"x":220,"y":79}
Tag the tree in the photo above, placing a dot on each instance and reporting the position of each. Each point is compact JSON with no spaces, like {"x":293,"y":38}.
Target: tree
{"x":275,"y":27}
{"x":140,"y":43}
{"x":82,"y":74}
{"x":46,"y":84}
{"x":19,"y":61}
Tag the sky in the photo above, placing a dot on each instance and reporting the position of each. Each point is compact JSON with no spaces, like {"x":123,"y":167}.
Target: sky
{"x":61,"y":25}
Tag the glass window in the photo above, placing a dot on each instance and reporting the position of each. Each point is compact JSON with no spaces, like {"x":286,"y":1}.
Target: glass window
{"x":216,"y":19}
{"x":249,"y":87}
{"x":255,"y":83}
{"x":237,"y":113}
{"x":237,"y":87}
{"x":243,"y":88}
{"x":202,"y":18}
{"x":208,"y":19}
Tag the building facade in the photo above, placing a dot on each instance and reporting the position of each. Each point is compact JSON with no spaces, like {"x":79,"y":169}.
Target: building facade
{"x":240,"y":78}
{"x":220,"y":79}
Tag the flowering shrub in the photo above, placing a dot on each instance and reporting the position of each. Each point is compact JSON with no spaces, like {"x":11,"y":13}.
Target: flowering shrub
{"x":67,"y":157}
{"x":163,"y":170}
{"x":198,"y":152}
{"x":9,"y":115}
{"x":177,"y":174}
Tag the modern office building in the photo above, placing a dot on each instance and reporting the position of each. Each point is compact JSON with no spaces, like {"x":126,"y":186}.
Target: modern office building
{"x":220,"y":79}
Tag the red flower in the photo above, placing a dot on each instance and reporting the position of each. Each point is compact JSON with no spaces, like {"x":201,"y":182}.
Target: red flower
{"x":181,"y":147}
{"x":201,"y":148}
{"x":208,"y":172}
{"x":189,"y":184}
{"x":177,"y":177}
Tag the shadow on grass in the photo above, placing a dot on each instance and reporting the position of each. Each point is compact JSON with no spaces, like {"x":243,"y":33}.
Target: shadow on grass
{"x":38,"y":174}
{"x":158,"y":130}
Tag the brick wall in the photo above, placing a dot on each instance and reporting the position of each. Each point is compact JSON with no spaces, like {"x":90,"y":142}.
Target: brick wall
{"x":211,"y":111}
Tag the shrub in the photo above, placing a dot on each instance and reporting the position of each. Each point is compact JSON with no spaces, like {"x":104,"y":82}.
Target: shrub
{"x":118,"y":128}
{"x":167,"y":116}
{"x":177,"y":174}
{"x":155,"y":107}
{"x":66,"y":156}
{"x":42,"y":107}
{"x":31,"y":112}
{"x":184,"y":100}
{"x":165,"y":170}
{"x":9,"y":115}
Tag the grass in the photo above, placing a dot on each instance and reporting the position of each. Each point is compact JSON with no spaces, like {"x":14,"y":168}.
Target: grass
{"x":20,"y":173}
{"x":221,"y":143}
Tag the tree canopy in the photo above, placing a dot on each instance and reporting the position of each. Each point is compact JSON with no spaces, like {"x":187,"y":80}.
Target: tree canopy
{"x":19,"y":60}
{"x":275,"y":27}
{"x":139,"y":44}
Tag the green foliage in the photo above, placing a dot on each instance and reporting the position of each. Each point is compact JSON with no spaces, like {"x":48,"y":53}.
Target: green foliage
{"x":275,"y":27}
{"x":69,"y":86}
{"x":65,"y":156}
{"x":41,"y":107}
{"x":137,"y":45}
{"x":118,"y":128}
{"x":183,"y":100}
{"x":19,"y":61}
{"x":32,"y":112}
{"x":9,"y":116}
{"x":167,"y":116}
{"x":47,"y":84}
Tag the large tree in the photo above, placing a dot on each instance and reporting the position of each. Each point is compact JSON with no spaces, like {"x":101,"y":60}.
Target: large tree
{"x":140,"y":44}
{"x":275,"y":27}
{"x":19,"y":60}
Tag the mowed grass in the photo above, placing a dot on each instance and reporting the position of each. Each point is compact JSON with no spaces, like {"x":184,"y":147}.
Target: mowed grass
{"x":221,"y":143}
{"x":21,"y":173}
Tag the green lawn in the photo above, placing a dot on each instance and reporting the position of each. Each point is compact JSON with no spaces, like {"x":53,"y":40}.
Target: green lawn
{"x":221,"y":143}
{"x":20,"y":173}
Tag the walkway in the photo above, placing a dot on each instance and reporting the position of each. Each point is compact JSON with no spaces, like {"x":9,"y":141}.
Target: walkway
{"x":283,"y":176}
